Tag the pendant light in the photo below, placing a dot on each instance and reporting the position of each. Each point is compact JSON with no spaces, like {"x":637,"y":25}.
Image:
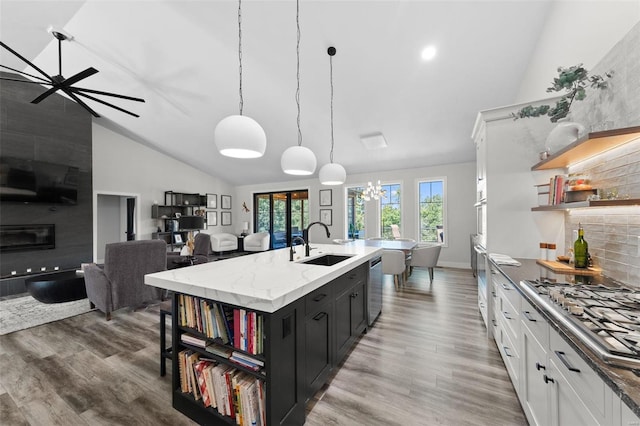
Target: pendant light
{"x":298,"y":160}
{"x":237,"y":135}
{"x":332,"y":173}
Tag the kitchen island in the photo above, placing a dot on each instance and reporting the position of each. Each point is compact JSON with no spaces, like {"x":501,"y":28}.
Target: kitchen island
{"x":305,"y":317}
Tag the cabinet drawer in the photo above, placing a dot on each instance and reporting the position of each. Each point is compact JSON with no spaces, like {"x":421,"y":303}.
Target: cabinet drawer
{"x":318,"y":297}
{"x":506,"y":289}
{"x":582,"y":378}
{"x":510,"y":356}
{"x":535,"y":322}
{"x":509,"y":317}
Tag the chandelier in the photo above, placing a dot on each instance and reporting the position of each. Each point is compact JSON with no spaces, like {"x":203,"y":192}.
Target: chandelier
{"x":372,"y":191}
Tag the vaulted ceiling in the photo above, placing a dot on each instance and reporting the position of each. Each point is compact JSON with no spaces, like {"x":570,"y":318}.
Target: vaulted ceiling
{"x":182,"y":58}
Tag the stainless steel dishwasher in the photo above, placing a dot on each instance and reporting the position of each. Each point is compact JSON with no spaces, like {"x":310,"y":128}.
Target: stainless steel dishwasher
{"x":374,"y":290}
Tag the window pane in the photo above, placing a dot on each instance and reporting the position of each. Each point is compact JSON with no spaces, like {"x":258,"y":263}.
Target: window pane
{"x":355,"y":213}
{"x":390,"y":212}
{"x":431,"y":207}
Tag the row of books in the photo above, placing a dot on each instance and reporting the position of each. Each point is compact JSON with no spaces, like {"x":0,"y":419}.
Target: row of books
{"x":239,"y":327}
{"x":222,"y":351}
{"x":231,"y":392}
{"x":557,"y":189}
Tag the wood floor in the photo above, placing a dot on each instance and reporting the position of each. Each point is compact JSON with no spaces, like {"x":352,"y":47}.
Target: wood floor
{"x":425,"y":362}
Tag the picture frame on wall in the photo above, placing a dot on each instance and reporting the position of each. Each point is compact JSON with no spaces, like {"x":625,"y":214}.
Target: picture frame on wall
{"x":326,"y":216}
{"x":225,"y":218}
{"x":325,"y":197}
{"x":177,"y":238}
{"x":212,"y":219}
{"x":212,"y":201}
{"x":225,"y":201}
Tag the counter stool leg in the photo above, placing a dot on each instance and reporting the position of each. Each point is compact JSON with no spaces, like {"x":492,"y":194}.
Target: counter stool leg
{"x":165,"y":353}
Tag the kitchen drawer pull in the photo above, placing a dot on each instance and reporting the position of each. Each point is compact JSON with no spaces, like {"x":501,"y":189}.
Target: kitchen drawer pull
{"x":548,"y":379}
{"x":528,"y":316}
{"x":505,"y":286}
{"x":320,"y":316}
{"x":506,"y":315}
{"x":506,"y":351}
{"x":319,"y":297}
{"x":565,"y":361}
{"x":495,"y":323}
{"x":540,"y":366}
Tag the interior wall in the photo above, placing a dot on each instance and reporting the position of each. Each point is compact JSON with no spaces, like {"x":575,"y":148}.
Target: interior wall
{"x":576,"y":32}
{"x":122,"y":165}
{"x":460,"y":180}
{"x":109,"y":225}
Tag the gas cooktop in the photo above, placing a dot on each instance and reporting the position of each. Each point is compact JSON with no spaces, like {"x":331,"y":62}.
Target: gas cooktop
{"x":607,"y":319}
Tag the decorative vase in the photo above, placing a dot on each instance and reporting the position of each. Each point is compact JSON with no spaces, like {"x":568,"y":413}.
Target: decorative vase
{"x":565,"y":133}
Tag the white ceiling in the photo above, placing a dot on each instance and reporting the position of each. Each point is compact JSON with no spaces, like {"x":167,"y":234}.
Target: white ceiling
{"x":182,"y":58}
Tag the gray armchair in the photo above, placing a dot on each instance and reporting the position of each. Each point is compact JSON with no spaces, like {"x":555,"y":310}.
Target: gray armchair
{"x":119,"y":282}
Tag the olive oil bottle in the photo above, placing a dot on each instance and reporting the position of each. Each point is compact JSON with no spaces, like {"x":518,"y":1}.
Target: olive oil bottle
{"x":581,"y":249}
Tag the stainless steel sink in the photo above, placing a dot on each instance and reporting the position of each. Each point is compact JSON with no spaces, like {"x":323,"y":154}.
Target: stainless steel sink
{"x":327,"y":259}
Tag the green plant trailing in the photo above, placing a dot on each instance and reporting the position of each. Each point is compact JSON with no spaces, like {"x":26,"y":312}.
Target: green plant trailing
{"x":573,"y":80}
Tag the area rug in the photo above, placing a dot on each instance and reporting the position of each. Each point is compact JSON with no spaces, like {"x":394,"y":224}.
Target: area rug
{"x":26,"y":312}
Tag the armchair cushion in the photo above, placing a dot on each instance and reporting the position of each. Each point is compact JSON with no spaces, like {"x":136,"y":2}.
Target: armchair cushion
{"x":223,"y":242}
{"x":257,"y":242}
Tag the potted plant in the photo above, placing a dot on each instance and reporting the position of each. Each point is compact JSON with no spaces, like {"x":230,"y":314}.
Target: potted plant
{"x":573,"y":81}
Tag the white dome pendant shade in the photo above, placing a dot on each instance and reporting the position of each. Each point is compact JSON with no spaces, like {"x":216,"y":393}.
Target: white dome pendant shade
{"x":239,"y":136}
{"x":298,"y":160}
{"x":332,"y":174}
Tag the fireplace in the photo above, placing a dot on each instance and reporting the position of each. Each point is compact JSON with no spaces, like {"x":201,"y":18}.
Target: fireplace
{"x":27,"y":237}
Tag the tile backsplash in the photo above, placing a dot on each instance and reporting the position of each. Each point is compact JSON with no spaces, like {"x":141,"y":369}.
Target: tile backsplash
{"x":613,"y":233}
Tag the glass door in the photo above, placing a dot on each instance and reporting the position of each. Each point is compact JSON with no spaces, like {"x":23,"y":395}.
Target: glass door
{"x":355,"y":213}
{"x":283,"y":214}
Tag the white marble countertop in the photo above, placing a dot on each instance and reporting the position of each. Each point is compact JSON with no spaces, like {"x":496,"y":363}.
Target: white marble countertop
{"x":265,"y":281}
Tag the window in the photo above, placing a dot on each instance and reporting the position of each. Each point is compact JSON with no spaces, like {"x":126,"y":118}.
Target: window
{"x":355,"y":213}
{"x":431,"y":212}
{"x":390,"y":212}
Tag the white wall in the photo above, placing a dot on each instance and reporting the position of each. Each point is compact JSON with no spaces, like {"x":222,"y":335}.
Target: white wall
{"x":460,"y":180}
{"x":121,"y":165}
{"x":576,"y":32}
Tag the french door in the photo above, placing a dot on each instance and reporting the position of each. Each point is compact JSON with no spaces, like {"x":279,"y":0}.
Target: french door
{"x":283,"y":214}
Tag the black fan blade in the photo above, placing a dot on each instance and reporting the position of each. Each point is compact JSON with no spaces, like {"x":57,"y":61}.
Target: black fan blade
{"x":115,"y":95}
{"x":80,"y":76}
{"x":27,"y":74}
{"x":31,"y":64}
{"x":79,"y":101}
{"x":103,"y":102}
{"x":26,"y":81}
{"x":65,"y":84}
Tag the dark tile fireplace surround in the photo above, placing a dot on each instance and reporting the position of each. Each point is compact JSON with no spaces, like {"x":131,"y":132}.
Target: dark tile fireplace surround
{"x":55,"y":131}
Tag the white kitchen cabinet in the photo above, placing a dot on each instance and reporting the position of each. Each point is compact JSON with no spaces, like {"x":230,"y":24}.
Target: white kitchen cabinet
{"x":567,"y":408}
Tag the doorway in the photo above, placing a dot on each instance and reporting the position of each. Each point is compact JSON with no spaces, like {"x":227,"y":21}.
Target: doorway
{"x":356,"y":220}
{"x":116,"y":219}
{"x":283,"y":214}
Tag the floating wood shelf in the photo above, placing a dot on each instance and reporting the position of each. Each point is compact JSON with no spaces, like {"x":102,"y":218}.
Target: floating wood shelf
{"x":586,"y":204}
{"x":595,"y":143}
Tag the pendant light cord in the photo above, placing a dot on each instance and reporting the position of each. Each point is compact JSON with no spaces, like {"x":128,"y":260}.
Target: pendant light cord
{"x":240,"y":51}
{"x":298,"y":70}
{"x":331,"y":80}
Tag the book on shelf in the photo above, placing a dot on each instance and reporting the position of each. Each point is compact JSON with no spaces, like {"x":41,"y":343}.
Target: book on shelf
{"x":219,"y":350}
{"x":201,"y":381}
{"x":193,"y":340}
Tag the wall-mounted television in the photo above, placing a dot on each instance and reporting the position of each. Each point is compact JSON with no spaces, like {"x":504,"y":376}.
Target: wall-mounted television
{"x":37,"y":181}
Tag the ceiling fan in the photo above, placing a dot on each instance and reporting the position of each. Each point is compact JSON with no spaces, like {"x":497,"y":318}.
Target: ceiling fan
{"x":58,"y":82}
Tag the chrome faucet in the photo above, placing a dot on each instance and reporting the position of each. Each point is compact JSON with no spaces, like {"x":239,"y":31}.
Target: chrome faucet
{"x":293,"y":243}
{"x":305,"y":236}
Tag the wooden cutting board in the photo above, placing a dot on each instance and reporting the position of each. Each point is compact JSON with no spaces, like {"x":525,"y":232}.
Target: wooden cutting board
{"x":565,"y":268}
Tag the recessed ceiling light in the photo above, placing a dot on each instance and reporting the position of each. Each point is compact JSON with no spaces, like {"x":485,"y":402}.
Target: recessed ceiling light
{"x":428,"y":53}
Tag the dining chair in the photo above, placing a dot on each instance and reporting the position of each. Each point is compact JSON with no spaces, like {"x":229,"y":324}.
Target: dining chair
{"x":425,"y":257}
{"x":395,"y":231}
{"x":393,"y":263}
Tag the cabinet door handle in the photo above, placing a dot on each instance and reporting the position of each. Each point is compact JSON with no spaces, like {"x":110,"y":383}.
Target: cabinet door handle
{"x":354,"y":295}
{"x":540,"y":366}
{"x":495,"y":323}
{"x":505,"y":286}
{"x":565,"y":361}
{"x":320,"y":316}
{"x":493,"y":293}
{"x":506,"y":351}
{"x":528,"y":316}
{"x":319,"y":297}
{"x":547,"y":379}
{"x":506,"y":315}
